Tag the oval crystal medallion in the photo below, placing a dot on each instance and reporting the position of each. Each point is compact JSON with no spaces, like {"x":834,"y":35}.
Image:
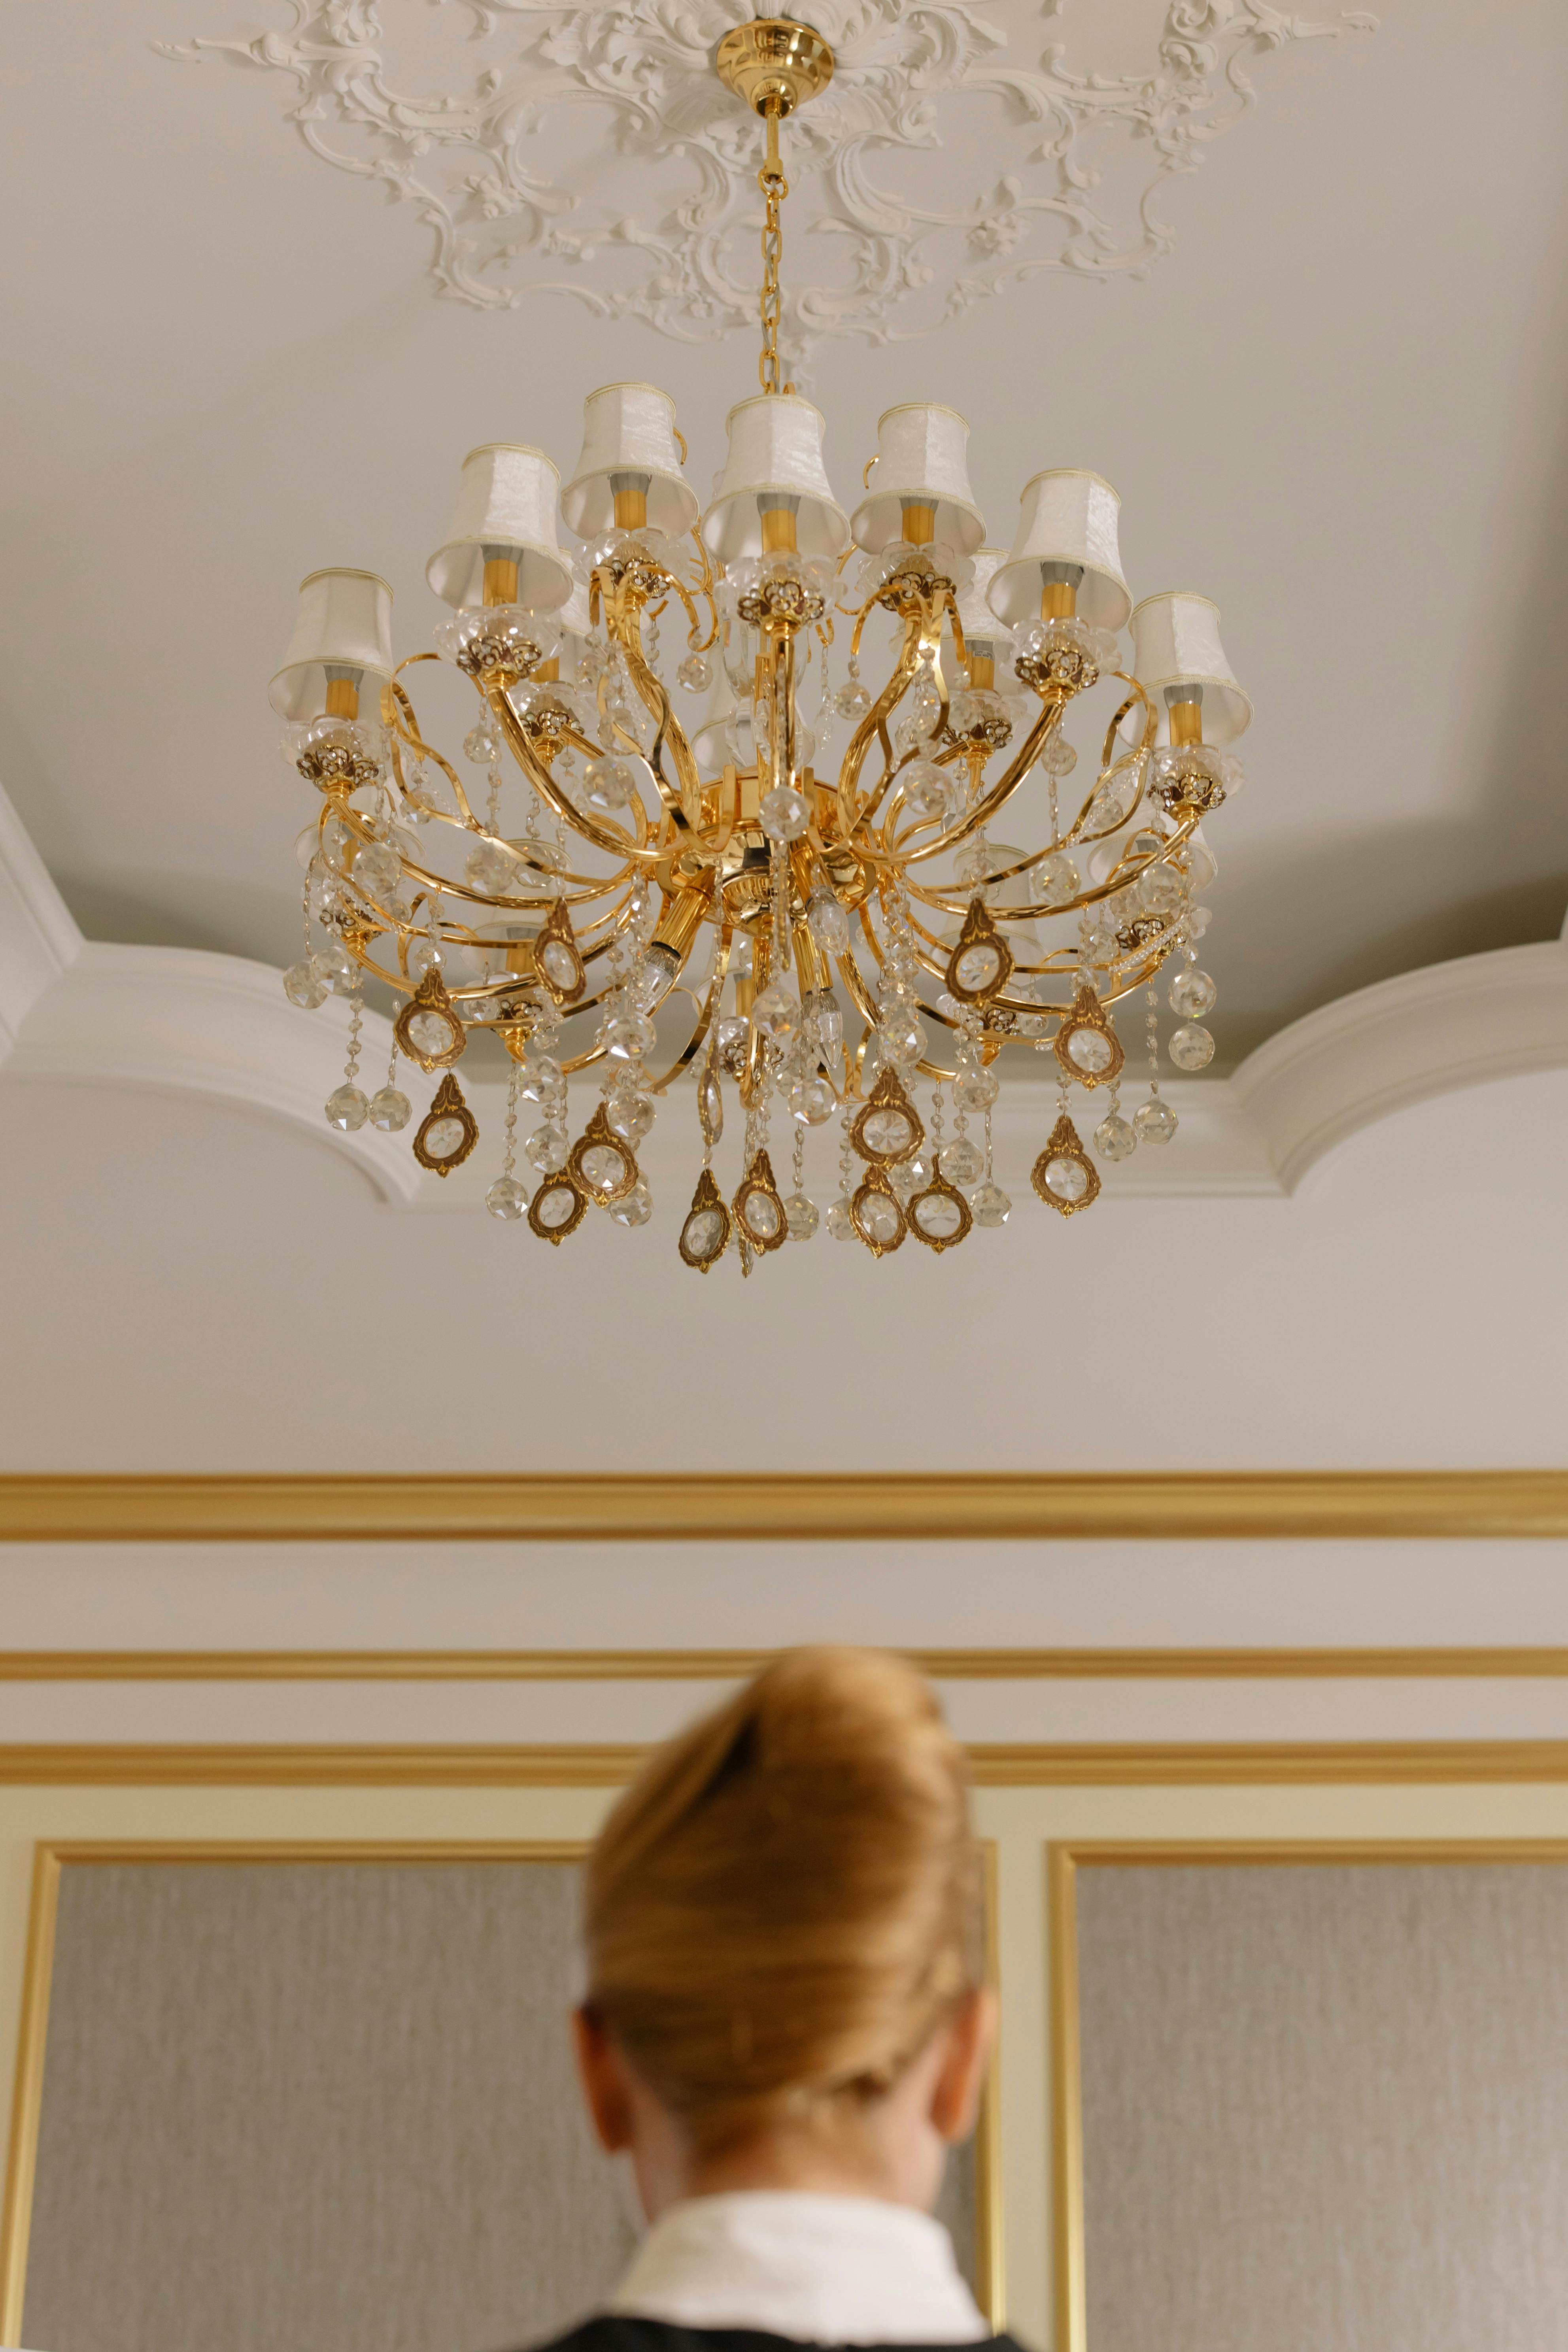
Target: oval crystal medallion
{"x":758,"y":1207}
{"x":940,"y":1216}
{"x":557,"y":1209}
{"x":1068,"y":1178}
{"x":428,"y":1029}
{"x":1064,"y":1175}
{"x":448,"y":1130}
{"x":705,"y":1236}
{"x":878,"y":1218}
{"x":601,"y":1167}
{"x":888,"y":1129}
{"x":762,"y":1216}
{"x":1090,"y":1050}
{"x":978,"y":968}
{"x":431,"y":1032}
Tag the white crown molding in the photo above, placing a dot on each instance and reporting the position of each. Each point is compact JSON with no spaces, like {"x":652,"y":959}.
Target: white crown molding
{"x":1068,"y":178}
{"x":219,"y":1028}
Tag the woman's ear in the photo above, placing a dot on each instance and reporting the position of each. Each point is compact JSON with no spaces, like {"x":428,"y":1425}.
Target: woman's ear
{"x":602,"y":2072}
{"x":960,"y":2078}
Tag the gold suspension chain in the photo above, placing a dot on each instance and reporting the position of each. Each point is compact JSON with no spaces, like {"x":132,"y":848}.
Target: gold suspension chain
{"x":775,"y":188}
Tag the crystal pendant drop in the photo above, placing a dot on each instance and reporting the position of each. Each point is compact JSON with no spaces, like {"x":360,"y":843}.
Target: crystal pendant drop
{"x":1114,"y":1138}
{"x":962,"y":1161}
{"x":1191,"y":1047}
{"x":634,"y":1208}
{"x":840,"y":1224}
{"x":1192,"y":994}
{"x":347,"y":1108}
{"x":1156,"y":1121}
{"x":390,"y":1111}
{"x":783,"y":813}
{"x":507,"y":1198}
{"x":695,"y":674}
{"x":774,"y":1013}
{"x":812,"y":1101}
{"x":988,"y":1204}
{"x":547,"y":1149}
{"x":827,"y":920}
{"x":304,"y":985}
{"x":800,"y":1216}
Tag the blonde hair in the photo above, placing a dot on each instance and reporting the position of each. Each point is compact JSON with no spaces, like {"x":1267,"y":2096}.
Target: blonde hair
{"x":784,"y":1906}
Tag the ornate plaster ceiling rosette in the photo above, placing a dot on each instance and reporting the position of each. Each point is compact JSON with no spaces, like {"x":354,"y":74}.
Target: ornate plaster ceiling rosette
{"x":591,"y":151}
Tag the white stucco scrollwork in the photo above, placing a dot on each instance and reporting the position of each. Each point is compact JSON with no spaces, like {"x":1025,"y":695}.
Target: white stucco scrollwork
{"x":591,"y":151}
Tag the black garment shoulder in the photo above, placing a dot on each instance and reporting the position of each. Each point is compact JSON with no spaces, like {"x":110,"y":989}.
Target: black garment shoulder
{"x":612,"y":2332}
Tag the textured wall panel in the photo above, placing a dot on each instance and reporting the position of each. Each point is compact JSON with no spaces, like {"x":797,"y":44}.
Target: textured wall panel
{"x":320,"y":2108}
{"x":1325,"y":2106}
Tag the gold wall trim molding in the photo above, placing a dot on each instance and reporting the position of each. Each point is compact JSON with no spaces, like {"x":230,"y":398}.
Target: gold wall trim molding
{"x":27,"y":2098}
{"x":727,"y":1666}
{"x":1013,"y":1765}
{"x":1063,"y":1862}
{"x":934,"y":1506}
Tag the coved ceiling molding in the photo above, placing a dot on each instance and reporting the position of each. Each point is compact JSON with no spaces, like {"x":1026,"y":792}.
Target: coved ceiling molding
{"x":590,"y":151}
{"x":219,"y":1027}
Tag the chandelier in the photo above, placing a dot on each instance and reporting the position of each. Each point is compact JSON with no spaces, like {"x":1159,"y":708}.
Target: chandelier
{"x":641,"y":899}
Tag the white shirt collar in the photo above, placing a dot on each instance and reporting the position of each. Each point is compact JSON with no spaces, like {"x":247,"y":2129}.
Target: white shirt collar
{"x":820,"y":2270}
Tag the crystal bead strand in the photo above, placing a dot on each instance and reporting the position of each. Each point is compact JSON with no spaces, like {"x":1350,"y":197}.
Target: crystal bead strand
{"x":305,"y":983}
{"x":840,"y":1224}
{"x":347,"y":1108}
{"x":391,"y":1109}
{"x":542,"y":1079}
{"x":507,"y":1197}
{"x":1154,"y":1121}
{"x":800,"y":1209}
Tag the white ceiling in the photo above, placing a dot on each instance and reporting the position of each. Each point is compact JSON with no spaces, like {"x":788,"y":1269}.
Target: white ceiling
{"x":1336,"y":406}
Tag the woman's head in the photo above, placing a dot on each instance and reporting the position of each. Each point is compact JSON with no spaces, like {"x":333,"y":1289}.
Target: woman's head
{"x":782,"y":1916}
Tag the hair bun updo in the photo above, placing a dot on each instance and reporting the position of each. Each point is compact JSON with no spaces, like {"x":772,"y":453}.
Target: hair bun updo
{"x":784,"y":1904}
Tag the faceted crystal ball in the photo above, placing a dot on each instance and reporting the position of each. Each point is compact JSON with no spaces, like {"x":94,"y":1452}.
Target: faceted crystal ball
{"x":1193,"y":994}
{"x":975,"y":1089}
{"x":800,"y":1216}
{"x":539,"y":1076}
{"x":303,"y":984}
{"x":629,"y":1115}
{"x":481,"y":743}
{"x":962,"y":1161}
{"x":1114,"y":1138}
{"x":628,"y":1035}
{"x":695,"y":674}
{"x":506,"y":1198}
{"x":774,"y":1013}
{"x":491,"y":868}
{"x":840,"y":1224}
{"x":636,"y":1208}
{"x":902,"y":1036}
{"x":812,"y":1101}
{"x":426,"y":955}
{"x":608,"y":784}
{"x":1058,"y":758}
{"x":1190,"y":1048}
{"x":390,"y":1111}
{"x":988,"y":1204}
{"x":377,"y":869}
{"x":852,"y":701}
{"x":783,"y":813}
{"x":910,"y":1176}
{"x":926,"y":788}
{"x":347,"y":1108}
{"x":548,"y":1148}
{"x":1155,"y":1122}
{"x":1056,"y":880}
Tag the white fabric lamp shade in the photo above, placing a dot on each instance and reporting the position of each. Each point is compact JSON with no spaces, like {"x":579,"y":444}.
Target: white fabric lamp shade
{"x":1175,"y":642}
{"x":982,"y":632}
{"x":573,"y":616}
{"x":628,"y":430}
{"x":776,"y":452}
{"x":505,"y":508}
{"x":921,"y":459}
{"x":342,"y":629}
{"x":1067,"y":517}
